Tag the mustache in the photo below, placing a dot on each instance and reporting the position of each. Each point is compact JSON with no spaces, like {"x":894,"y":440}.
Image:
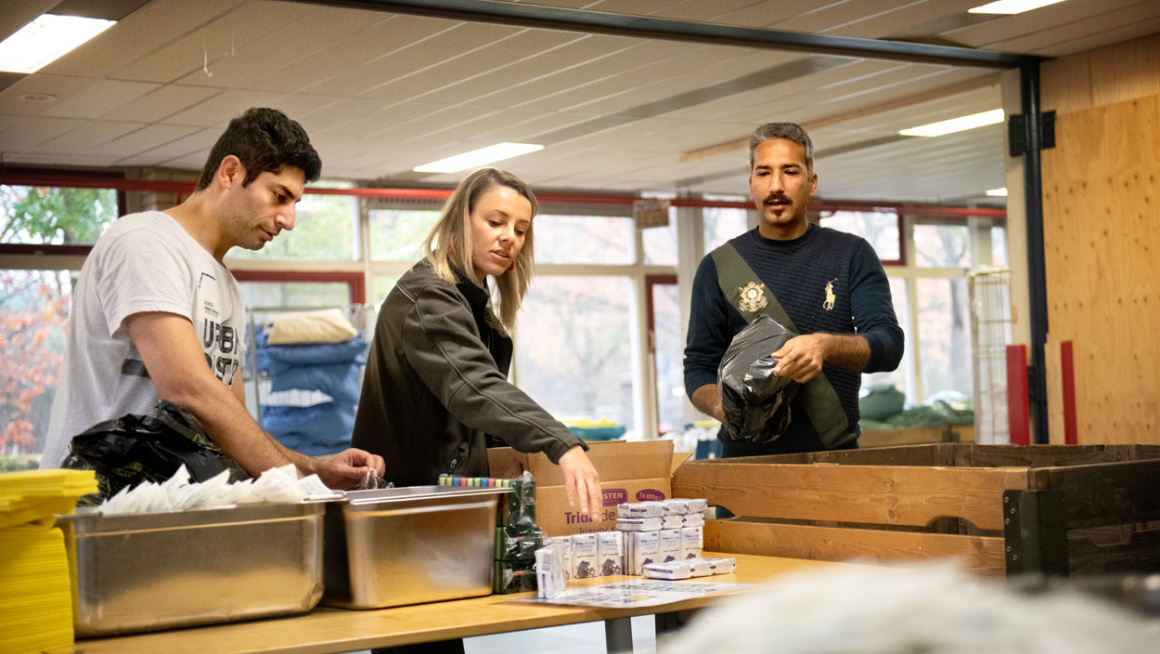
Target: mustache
{"x":781,"y":197}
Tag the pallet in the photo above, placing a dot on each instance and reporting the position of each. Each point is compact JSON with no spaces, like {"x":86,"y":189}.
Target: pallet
{"x":1002,"y":509}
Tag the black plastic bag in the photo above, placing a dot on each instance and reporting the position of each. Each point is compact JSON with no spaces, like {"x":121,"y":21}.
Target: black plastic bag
{"x":756,"y":402}
{"x":133,"y":449}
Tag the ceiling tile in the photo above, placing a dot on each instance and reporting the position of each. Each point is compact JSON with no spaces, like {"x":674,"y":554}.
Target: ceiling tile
{"x":374,"y":77}
{"x":381,"y":37}
{"x":144,"y":139}
{"x":160,"y":104}
{"x":60,"y":86}
{"x":24,"y":132}
{"x":309,"y":36}
{"x":87,"y":137}
{"x":142,"y":34}
{"x":472,"y":64}
{"x":18,"y":13}
{"x":210,"y":45}
{"x":97,"y":98}
{"x":220,"y":109}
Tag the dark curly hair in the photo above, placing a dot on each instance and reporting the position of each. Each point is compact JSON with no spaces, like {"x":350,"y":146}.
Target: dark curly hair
{"x":265,"y":140}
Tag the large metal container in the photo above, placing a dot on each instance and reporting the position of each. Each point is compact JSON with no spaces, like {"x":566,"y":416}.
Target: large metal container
{"x":410,"y":545}
{"x":164,"y":570}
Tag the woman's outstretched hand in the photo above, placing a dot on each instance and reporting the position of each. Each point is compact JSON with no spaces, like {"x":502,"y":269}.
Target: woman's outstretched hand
{"x":582,"y":482}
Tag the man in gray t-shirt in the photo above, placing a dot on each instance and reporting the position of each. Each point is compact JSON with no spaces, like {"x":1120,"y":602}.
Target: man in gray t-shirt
{"x":157,"y":315}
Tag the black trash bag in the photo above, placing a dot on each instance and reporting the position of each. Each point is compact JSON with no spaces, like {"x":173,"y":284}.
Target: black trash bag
{"x":132,"y":449}
{"x":756,"y":402}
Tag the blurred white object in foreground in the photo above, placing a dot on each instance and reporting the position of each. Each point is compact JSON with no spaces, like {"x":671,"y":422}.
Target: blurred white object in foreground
{"x":933,"y":609}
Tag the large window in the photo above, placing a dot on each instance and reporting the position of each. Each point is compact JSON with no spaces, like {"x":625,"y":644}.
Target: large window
{"x":944,"y":338}
{"x":668,"y":361}
{"x":660,"y":243}
{"x":585,"y":239}
{"x":34,"y":308}
{"x":398,"y":234}
{"x":879,"y":228}
{"x":326,"y":228}
{"x":722,"y":224}
{"x":59,"y":216}
{"x":929,"y":289}
{"x":942,"y":246}
{"x":573,"y":351}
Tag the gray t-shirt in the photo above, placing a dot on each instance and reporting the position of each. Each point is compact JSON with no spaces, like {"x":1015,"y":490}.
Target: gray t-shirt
{"x":144,"y":262}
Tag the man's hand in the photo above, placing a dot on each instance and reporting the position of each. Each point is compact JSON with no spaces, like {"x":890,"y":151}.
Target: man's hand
{"x":345,"y":470}
{"x":801,"y":357}
{"x":582,"y":481}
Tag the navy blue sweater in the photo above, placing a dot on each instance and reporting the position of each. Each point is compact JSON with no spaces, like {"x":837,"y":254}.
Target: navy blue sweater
{"x":796,"y":273}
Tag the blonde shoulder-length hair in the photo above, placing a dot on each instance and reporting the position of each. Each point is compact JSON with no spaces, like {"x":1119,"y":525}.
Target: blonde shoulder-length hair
{"x":449,"y":245}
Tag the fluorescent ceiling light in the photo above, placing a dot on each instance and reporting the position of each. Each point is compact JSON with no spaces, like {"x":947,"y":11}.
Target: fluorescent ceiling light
{"x":997,"y":192}
{"x":476,"y":158}
{"x":956,"y":124}
{"x":46,"y":39}
{"x":1011,"y":6}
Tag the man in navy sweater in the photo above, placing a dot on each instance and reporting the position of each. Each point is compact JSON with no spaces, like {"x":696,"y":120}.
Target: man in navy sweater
{"x":828,"y":287}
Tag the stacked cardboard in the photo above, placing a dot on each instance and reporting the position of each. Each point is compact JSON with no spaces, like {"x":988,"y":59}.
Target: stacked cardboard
{"x":35,"y":586}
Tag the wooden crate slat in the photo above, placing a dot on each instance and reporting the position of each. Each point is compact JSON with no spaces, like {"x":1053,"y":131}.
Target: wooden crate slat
{"x":981,"y":554}
{"x":1104,"y":494}
{"x":1040,"y":456}
{"x":893,"y":495}
{"x":906,"y":455}
{"x":1141,"y":554}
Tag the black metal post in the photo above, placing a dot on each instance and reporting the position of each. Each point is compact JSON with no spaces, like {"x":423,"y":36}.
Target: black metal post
{"x":1036,"y":273}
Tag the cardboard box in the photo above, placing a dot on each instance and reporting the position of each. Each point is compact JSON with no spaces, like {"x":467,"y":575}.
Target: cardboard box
{"x":630,"y":471}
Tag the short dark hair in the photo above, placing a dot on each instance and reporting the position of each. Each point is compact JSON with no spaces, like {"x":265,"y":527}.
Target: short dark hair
{"x":788,"y":131}
{"x":264,"y":140}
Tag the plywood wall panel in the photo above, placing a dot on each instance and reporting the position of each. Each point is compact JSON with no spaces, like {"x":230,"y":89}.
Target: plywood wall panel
{"x":1126,"y":71}
{"x":1066,"y":84}
{"x":1101,"y":217}
{"x":1108,"y":75}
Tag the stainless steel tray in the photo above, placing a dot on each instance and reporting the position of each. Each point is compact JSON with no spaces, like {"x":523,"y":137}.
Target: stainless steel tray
{"x":410,"y":545}
{"x":165,"y":570}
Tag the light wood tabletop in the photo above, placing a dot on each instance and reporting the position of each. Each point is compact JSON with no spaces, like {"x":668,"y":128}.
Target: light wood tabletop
{"x":327,"y":629}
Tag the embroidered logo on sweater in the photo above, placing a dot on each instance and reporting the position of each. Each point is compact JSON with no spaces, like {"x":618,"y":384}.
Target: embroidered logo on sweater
{"x":752,"y":297}
{"x":830,"y":297}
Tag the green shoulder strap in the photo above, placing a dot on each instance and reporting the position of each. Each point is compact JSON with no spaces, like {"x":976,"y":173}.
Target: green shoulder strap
{"x":744,"y":290}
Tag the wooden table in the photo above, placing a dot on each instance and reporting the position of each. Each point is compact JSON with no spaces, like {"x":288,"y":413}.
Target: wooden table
{"x":327,"y":629}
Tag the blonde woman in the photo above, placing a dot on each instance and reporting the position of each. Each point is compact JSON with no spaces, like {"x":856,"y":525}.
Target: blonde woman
{"x":435,"y":394}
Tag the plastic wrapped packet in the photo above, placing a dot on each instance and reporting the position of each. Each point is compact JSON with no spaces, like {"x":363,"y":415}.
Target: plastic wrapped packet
{"x":518,"y":508}
{"x":517,"y":543}
{"x":670,"y":570}
{"x":550,"y":572}
{"x":756,"y":402}
{"x":639,"y":524}
{"x":723,"y":565}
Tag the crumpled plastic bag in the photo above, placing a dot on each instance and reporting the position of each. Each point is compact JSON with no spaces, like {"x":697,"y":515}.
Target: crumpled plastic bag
{"x":132,"y":449}
{"x":756,"y":402}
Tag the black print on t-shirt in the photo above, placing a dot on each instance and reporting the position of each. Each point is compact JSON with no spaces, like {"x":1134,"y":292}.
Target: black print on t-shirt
{"x":224,"y":335}
{"x":226,"y":338}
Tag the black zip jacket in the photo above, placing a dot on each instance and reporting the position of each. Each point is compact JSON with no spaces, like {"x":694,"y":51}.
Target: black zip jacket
{"x":436,"y":386}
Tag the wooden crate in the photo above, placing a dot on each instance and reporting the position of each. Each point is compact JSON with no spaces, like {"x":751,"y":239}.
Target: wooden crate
{"x":1003,"y":509}
{"x":916,"y":436}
